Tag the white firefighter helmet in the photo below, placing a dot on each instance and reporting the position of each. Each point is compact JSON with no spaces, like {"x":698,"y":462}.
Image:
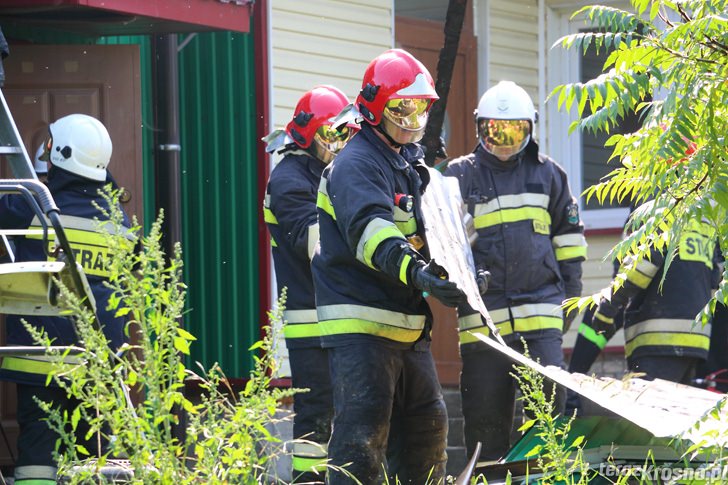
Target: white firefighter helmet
{"x":505,"y":118}
{"x":80,"y":144}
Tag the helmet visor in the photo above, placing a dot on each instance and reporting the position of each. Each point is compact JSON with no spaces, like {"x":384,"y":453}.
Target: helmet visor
{"x":327,"y":142}
{"x":331,"y":139}
{"x":504,"y":138}
{"x":407,"y":113}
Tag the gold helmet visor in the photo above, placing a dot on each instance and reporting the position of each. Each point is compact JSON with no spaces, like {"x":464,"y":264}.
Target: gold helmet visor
{"x":504,"y":138}
{"x":327,"y":142}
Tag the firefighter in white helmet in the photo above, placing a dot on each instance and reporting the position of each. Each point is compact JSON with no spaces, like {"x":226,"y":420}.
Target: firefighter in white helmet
{"x":530,"y":238}
{"x":78,"y":151}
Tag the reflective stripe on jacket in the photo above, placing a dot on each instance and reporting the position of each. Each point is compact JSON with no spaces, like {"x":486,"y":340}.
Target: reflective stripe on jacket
{"x":290,"y":214}
{"x":89,"y":244}
{"x":530,"y":238}
{"x":660,"y":320}
{"x":357,"y":213}
{"x":77,"y":198}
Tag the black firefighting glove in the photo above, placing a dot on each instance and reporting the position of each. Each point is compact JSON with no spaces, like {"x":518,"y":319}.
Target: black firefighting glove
{"x":482,"y":278}
{"x":603,"y":320}
{"x":433,"y":279}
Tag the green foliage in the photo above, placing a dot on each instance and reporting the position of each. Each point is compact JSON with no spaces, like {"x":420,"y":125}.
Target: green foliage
{"x":225,"y":438}
{"x":670,"y":64}
{"x":558,"y":460}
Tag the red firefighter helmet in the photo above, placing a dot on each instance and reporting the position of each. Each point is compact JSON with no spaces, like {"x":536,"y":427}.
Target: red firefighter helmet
{"x":310,"y":127}
{"x":397,"y":75}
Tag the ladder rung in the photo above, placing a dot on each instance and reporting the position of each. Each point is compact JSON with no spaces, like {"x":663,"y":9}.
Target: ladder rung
{"x":10,"y":150}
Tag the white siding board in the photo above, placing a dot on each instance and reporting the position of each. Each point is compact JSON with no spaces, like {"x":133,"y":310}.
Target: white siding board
{"x":324,"y":42}
{"x":329,"y":27}
{"x":513,"y":43}
{"x":318,"y":12}
{"x":297,"y":60}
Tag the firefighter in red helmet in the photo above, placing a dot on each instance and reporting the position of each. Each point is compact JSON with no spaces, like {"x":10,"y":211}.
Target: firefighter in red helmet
{"x":308,"y":143}
{"x":370,"y":272}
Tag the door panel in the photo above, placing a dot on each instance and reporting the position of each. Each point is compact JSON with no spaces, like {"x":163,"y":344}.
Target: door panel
{"x":44,"y":83}
{"x":424,"y":39}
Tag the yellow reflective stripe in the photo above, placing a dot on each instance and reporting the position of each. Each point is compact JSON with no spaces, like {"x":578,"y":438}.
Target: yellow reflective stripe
{"x":591,"y":335}
{"x":698,"y":247}
{"x":89,"y":225}
{"x":403,"y":268}
{"x":378,"y":315}
{"x":640,"y":274}
{"x":323,"y":202}
{"x":564,"y":240}
{"x":93,"y":259}
{"x":301,"y":330}
{"x":407,"y":228}
{"x":300,"y":324}
{"x":77,"y":236}
{"x":37,"y":365}
{"x":539,"y":322}
{"x":473,"y":324}
{"x":513,"y":201}
{"x":513,"y":215}
{"x":269,"y":217}
{"x":313,"y":237}
{"x":273,"y":242}
{"x":468,"y":336}
{"x":603,"y":318}
{"x":672,"y":325}
{"x":572,"y":252}
{"x":638,"y":279}
{"x":474,"y":320}
{"x":353,"y":325}
{"x":322,"y":199}
{"x":691,"y":340}
{"x":376,"y":231}
{"x":300,"y":316}
{"x":301,"y":464}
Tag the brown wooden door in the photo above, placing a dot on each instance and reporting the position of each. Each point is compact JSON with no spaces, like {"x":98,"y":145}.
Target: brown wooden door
{"x":424,"y":39}
{"x":46,"y":82}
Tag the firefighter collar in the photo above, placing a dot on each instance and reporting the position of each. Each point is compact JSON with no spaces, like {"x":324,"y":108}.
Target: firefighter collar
{"x":408,"y":154}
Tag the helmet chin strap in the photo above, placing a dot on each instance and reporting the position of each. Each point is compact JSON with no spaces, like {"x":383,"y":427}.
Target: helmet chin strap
{"x":391,"y":141}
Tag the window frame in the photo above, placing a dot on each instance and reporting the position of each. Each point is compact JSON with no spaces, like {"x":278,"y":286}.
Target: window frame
{"x":565,"y":148}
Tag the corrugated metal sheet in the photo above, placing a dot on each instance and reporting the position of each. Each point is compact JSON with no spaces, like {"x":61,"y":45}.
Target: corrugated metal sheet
{"x":220,"y":197}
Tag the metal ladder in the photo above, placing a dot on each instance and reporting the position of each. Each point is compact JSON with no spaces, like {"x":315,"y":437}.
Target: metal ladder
{"x":29,"y":288}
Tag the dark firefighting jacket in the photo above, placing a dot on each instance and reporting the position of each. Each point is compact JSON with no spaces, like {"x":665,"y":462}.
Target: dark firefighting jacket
{"x":290,"y":213}
{"x":530,"y":238}
{"x":75,"y":197}
{"x":361,"y":270}
{"x":659,"y":315}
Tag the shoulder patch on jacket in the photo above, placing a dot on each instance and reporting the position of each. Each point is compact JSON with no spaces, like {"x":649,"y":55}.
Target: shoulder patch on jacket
{"x":572,"y":214}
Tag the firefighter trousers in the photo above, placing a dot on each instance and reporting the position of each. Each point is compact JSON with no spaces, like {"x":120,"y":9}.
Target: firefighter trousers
{"x":36,"y":440}
{"x":374,"y":385}
{"x":489,"y":391}
{"x":313,"y":410}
